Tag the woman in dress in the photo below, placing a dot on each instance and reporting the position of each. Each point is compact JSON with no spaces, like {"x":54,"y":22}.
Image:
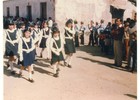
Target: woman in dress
{"x":56,"y":46}
{"x":69,"y":43}
{"x":26,"y":52}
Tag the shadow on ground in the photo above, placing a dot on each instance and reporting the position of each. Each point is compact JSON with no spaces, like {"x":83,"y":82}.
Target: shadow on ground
{"x":40,"y":70}
{"x":40,"y":63}
{"x":94,"y":51}
{"x":7,"y":72}
{"x":132,"y":96}
{"x":104,"y":63}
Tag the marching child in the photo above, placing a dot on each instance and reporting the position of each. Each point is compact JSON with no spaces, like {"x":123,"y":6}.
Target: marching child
{"x":44,"y":37}
{"x":69,"y":43}
{"x":34,"y":36}
{"x":56,"y":46}
{"x":11,"y":39}
{"x":26,"y":52}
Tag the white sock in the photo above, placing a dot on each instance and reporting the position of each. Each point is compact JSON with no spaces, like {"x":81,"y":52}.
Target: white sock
{"x":20,"y":71}
{"x":67,"y":58}
{"x":54,"y":68}
{"x":32,"y":67}
{"x":30,"y":75}
{"x":16,"y":61}
{"x":11,"y":65}
{"x":57,"y":66}
{"x":70,"y":58}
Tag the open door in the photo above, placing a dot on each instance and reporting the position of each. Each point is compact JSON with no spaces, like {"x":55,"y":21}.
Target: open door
{"x":43,"y":10}
{"x":116,"y":13}
{"x":29,"y":13}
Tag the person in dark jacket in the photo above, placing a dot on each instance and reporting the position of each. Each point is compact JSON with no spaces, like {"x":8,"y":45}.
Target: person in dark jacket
{"x":118,"y":35}
{"x":133,"y":52}
{"x":92,"y":33}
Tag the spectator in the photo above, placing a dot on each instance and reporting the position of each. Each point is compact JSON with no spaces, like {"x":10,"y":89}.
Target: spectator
{"x":118,"y":35}
{"x":82,"y":29}
{"x":126,"y":40}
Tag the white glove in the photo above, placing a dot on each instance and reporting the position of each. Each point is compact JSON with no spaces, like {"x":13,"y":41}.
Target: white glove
{"x":15,"y":41}
{"x":59,"y":50}
{"x":28,"y":51}
{"x":12,"y":42}
{"x":71,"y":38}
{"x":21,"y":58}
{"x":46,"y":36}
{"x":57,"y":53}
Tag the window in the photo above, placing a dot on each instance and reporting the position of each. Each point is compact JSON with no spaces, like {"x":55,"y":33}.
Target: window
{"x":17,"y":11}
{"x":8,"y":11}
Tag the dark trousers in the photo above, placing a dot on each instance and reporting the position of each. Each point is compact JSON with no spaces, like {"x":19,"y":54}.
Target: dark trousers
{"x":107,"y":49}
{"x":76,"y":41}
{"x":82,"y":38}
{"x":134,"y":64}
{"x":118,"y":52}
{"x":91,"y":39}
{"x":102,"y":45}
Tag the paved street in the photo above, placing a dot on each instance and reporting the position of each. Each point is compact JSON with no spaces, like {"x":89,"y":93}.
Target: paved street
{"x":92,"y":77}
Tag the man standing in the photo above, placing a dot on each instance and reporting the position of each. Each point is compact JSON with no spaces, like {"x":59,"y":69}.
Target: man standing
{"x":82,"y":29}
{"x":92,"y":33}
{"x":118,"y":35}
{"x":76,"y":28}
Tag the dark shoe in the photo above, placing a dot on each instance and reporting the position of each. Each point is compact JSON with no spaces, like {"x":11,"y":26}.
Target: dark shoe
{"x":127,"y":67}
{"x":8,"y":66}
{"x":118,"y":66}
{"x":65,"y":64}
{"x":69,"y":66}
{"x":40,"y":55}
{"x":35,"y":60}
{"x":58,"y":69}
{"x":31,"y":80}
{"x":32,"y":72}
{"x":55,"y":75}
{"x":114,"y":64}
{"x":62,"y":64}
{"x":13,"y":72}
{"x":20,"y":75}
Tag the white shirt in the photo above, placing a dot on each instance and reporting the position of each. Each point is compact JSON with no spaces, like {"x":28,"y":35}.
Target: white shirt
{"x":50,"y":23}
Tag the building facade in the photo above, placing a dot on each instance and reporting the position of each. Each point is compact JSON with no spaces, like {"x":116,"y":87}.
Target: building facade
{"x":29,"y":8}
{"x":61,"y":10}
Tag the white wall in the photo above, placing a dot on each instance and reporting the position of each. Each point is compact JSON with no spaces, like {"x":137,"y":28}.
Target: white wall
{"x":82,"y":10}
{"x":23,"y":10}
{"x":86,"y":10}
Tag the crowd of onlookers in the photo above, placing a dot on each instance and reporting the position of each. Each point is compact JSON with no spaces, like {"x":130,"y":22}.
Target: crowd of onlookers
{"x":118,"y":39}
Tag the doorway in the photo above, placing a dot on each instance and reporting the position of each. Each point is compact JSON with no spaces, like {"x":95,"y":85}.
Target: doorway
{"x":116,"y":13}
{"x":43,"y":10}
{"x":29,"y":13}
